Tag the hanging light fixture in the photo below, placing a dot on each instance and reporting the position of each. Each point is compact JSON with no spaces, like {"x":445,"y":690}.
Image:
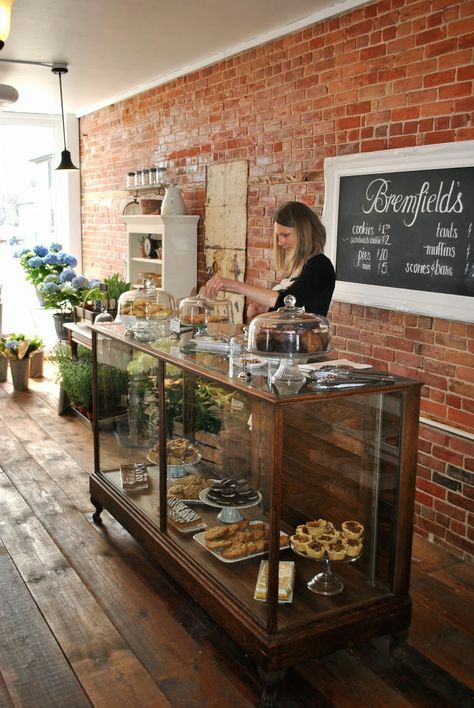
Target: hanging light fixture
{"x":66,"y":162}
{"x":5,"y":16}
{"x":8,"y":95}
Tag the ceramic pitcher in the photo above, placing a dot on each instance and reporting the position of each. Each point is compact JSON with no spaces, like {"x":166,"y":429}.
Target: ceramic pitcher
{"x":173,"y":202}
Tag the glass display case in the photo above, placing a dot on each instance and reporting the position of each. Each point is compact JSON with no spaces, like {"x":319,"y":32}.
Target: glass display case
{"x":214,"y":474}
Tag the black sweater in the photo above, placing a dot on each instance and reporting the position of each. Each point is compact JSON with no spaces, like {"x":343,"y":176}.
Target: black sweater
{"x":314,"y":286}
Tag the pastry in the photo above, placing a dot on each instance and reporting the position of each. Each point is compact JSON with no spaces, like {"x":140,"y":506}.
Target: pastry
{"x":134,"y":477}
{"x":314,"y":549}
{"x":336,"y":550}
{"x":352,"y":529}
{"x":286,"y":579}
{"x":182,"y":516}
{"x":188,"y":487}
{"x":299,"y":541}
{"x":352,"y":545}
{"x":234,"y":541}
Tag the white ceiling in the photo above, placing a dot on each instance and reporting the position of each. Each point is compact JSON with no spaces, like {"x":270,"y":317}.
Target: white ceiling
{"x":117,"y":48}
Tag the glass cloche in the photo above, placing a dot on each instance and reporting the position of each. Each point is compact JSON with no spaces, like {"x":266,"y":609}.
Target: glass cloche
{"x":145,"y":307}
{"x":199,"y":311}
{"x":291,"y":335}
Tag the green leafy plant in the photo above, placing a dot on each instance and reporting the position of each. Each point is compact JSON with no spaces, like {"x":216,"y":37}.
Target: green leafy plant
{"x":75,"y":374}
{"x":116,"y":286}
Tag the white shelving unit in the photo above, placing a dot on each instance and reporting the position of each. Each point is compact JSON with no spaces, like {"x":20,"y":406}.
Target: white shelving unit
{"x":177,"y":236}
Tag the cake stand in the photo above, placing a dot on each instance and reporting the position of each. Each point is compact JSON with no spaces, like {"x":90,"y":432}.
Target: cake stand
{"x":228,"y":514}
{"x":326,"y":582}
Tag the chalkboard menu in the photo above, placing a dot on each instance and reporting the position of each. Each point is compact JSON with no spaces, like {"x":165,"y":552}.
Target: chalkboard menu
{"x":411,"y":229}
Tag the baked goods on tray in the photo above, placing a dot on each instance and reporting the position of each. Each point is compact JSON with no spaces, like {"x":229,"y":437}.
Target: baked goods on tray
{"x":240,"y":540}
{"x":231,"y":492}
{"x":183,"y":517}
{"x":134,"y":477}
{"x":188,"y":487}
{"x":179,"y":451}
{"x":286,"y":579}
{"x":319,"y":537}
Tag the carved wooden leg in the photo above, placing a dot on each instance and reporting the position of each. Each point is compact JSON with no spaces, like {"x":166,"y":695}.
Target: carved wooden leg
{"x":271,"y":681}
{"x":98,"y":510}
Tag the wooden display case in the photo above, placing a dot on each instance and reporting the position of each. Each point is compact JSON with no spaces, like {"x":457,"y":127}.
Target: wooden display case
{"x":338,"y":455}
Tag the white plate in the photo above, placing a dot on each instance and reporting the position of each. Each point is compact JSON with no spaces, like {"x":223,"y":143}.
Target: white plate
{"x":199,"y":537}
{"x":209,"y":344}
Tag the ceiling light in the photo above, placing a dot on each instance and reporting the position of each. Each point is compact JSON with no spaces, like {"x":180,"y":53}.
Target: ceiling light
{"x":66,"y":162}
{"x":5,"y":15}
{"x":8,"y":95}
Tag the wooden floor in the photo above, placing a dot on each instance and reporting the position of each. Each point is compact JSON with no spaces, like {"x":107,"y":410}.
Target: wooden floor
{"x":86,"y":619}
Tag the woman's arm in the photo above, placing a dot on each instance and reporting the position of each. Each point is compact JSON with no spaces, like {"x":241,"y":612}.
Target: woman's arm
{"x":260,"y":295}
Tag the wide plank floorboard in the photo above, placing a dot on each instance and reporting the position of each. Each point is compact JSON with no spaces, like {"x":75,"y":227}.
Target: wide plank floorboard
{"x":96,"y":622}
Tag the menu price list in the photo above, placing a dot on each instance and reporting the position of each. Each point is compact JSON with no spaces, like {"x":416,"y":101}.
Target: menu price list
{"x":408,"y":229}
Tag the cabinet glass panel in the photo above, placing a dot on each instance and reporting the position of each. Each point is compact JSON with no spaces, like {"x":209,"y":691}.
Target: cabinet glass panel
{"x":341,"y":461}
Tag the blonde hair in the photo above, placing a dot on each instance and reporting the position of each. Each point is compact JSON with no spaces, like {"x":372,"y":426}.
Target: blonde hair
{"x":310,"y":236}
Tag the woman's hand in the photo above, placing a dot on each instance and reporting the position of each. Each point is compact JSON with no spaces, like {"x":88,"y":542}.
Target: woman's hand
{"x":216,"y":284}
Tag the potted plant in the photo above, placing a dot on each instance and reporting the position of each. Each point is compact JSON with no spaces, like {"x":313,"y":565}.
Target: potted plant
{"x":110,"y":291}
{"x":3,"y":360}
{"x":75,"y":374}
{"x":40,"y":261}
{"x":62,"y":292}
{"x":15,"y":349}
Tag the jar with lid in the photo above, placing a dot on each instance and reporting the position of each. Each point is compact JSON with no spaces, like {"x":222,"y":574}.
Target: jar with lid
{"x":200,"y":311}
{"x":145,"y":177}
{"x":130,"y":180}
{"x":138,"y":178}
{"x":290,"y":335}
{"x":146,"y":310}
{"x":153,"y":177}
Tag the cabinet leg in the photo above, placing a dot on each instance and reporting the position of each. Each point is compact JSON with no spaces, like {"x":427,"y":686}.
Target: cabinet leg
{"x":271,"y":681}
{"x":98,"y":510}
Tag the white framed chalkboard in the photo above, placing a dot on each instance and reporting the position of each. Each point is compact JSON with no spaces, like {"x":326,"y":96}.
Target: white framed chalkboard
{"x":400,"y":229}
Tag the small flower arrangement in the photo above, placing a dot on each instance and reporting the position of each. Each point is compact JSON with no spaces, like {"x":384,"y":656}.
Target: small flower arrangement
{"x":40,"y":261}
{"x":62,"y":292}
{"x":18,"y":346}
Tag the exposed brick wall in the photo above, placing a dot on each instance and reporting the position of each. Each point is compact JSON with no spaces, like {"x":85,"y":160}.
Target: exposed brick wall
{"x":392,"y":74}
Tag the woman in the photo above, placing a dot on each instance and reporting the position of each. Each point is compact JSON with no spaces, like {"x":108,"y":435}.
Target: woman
{"x":299,"y":240}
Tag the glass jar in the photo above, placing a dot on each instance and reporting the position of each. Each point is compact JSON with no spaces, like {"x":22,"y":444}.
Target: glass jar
{"x":138,"y":178}
{"x":145,"y":309}
{"x":131,"y":180}
{"x":289,"y":335}
{"x":200,"y":311}
{"x":145,"y":177}
{"x":153,"y":178}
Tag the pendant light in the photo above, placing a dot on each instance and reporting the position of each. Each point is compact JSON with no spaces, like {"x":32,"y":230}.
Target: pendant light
{"x":8,"y":95}
{"x":66,"y":162}
{"x":5,"y":16}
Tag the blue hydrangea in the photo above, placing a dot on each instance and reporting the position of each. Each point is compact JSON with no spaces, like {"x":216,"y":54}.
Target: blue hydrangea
{"x":80,"y":282}
{"x":12,"y":344}
{"x":35,"y":262}
{"x":49,"y":288}
{"x":67,"y":259}
{"x":94,"y":283}
{"x":55,"y":247}
{"x":67,"y":275}
{"x":21,"y":252}
{"x":40,"y":250}
{"x":51,"y":259}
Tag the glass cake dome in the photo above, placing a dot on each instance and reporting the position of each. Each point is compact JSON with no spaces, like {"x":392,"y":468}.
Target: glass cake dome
{"x":200,"y":311}
{"x":291,"y":335}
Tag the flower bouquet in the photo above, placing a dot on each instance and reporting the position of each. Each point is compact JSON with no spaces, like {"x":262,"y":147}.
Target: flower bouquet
{"x":16,"y":349}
